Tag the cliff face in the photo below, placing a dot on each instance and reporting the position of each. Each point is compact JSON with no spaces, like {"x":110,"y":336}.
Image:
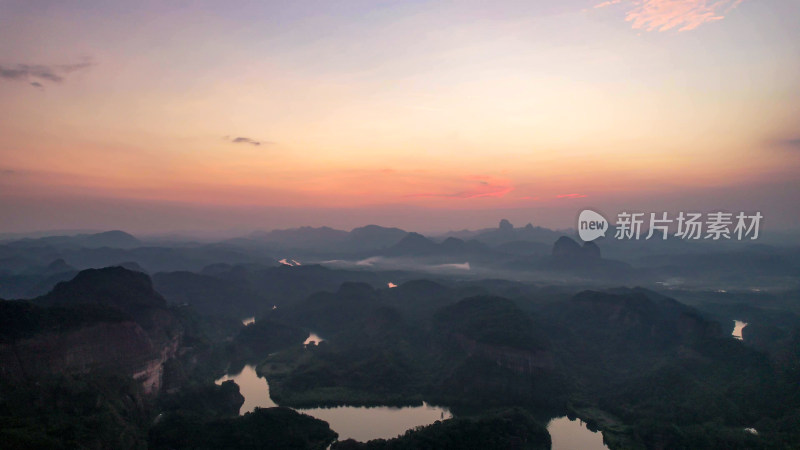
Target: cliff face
{"x":122,"y":347}
{"x":107,"y":319}
{"x":152,"y":374}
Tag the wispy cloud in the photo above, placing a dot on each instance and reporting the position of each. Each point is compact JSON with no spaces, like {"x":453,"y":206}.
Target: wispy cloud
{"x":35,"y":74}
{"x":663,"y":15}
{"x":245,"y":140}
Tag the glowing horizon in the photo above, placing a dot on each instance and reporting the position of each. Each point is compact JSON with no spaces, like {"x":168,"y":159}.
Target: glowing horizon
{"x":407,"y":105}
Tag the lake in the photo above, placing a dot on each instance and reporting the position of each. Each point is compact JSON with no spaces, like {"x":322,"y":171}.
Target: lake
{"x":357,"y":422}
{"x":738,"y":326}
{"x":567,"y":434}
{"x":351,"y":422}
{"x":253,"y":388}
{"x":364,"y":423}
{"x":312,"y":339}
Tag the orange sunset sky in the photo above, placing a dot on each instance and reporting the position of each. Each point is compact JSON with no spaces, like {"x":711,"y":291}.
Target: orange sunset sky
{"x":198,"y":115}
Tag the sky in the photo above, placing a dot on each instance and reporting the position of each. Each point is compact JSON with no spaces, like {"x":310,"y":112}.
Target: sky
{"x":157,"y":116}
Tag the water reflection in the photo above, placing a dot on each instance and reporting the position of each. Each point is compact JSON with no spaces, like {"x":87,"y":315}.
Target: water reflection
{"x":313,"y":339}
{"x":737,"y":329}
{"x":567,"y":434}
{"x":362,"y":423}
{"x":356,"y":422}
{"x":253,"y":388}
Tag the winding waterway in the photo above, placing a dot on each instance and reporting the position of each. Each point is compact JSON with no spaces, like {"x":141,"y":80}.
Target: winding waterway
{"x":365,"y":423}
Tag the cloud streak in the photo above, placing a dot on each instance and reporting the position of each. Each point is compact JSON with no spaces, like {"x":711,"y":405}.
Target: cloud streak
{"x":790,"y":143}
{"x":571,"y":196}
{"x":664,"y":15}
{"x":245,"y":140}
{"x":34,"y":74}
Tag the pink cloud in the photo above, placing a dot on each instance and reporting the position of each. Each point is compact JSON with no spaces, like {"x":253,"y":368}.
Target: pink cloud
{"x":663,"y":15}
{"x":571,"y":196}
{"x":481,"y":187}
{"x":608,"y":3}
{"x":499,"y":193}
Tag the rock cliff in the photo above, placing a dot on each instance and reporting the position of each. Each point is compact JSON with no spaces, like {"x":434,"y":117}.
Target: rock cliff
{"x":106,"y":319}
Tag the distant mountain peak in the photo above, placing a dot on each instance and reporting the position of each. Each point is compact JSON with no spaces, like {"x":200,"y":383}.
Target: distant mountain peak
{"x":452,"y":241}
{"x":113,"y":238}
{"x":414,"y":239}
{"x":591,"y":250}
{"x":113,"y":233}
{"x":566,"y":247}
{"x":413,"y":244}
{"x":373,"y":228}
{"x":59,"y":265}
{"x":372,"y":237}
